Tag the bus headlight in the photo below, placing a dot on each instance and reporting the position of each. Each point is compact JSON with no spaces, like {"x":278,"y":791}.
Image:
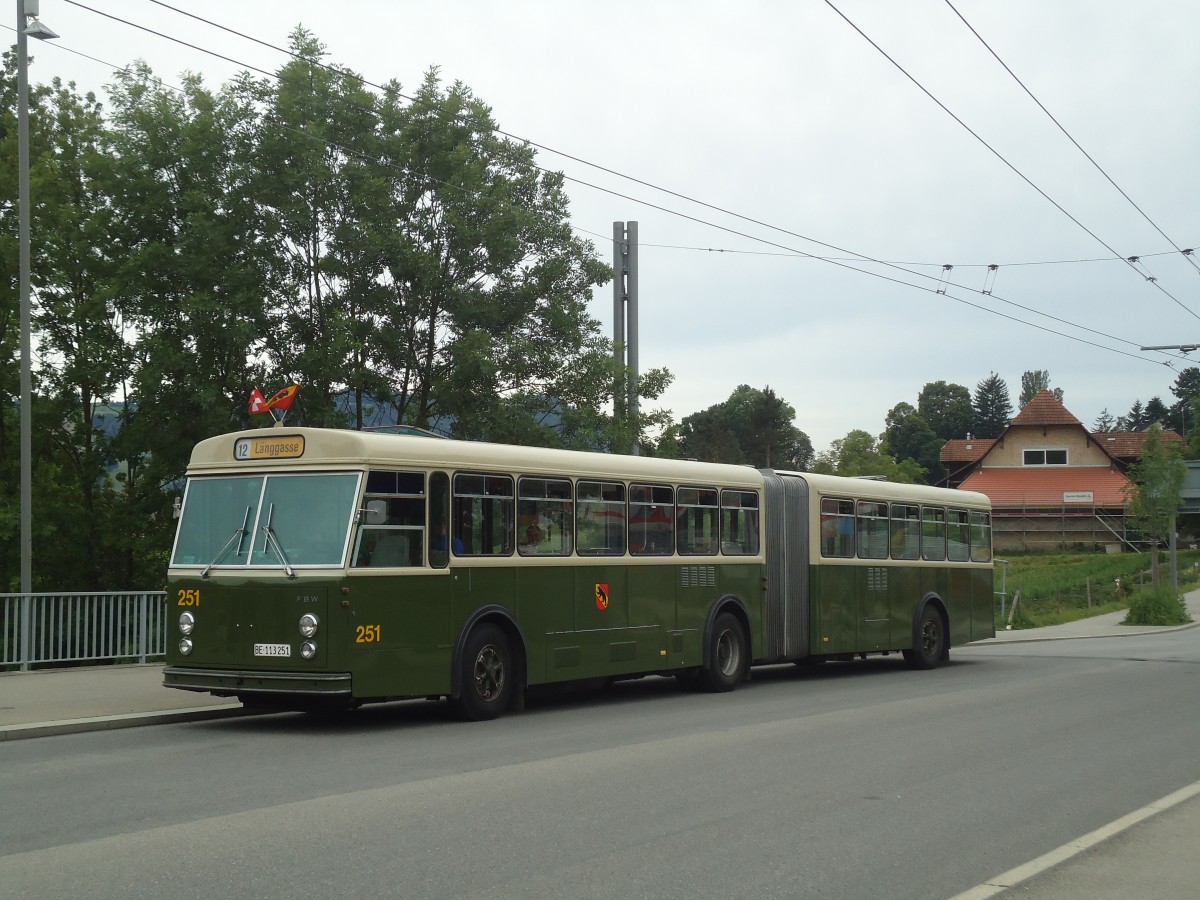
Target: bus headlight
{"x":308,"y":625}
{"x":185,"y":646}
{"x":308,"y":649}
{"x":186,"y":623}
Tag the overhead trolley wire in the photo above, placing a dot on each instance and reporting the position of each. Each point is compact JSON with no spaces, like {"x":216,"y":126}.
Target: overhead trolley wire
{"x":1002,"y":159}
{"x":1188,"y":254}
{"x":943,"y":283}
{"x":941,"y":280}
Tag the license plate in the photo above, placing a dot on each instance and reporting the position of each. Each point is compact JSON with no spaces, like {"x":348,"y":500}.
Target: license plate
{"x":272,"y":649}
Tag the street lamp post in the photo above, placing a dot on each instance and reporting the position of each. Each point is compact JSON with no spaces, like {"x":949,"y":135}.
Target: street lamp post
{"x":27,"y":26}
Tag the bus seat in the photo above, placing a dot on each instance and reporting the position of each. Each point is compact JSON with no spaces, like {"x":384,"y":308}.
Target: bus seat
{"x":391,"y":549}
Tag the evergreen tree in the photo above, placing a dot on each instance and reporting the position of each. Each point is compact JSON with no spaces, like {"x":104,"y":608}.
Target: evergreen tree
{"x":1157,"y":412}
{"x":1186,"y":390}
{"x":993,"y":409}
{"x":1105,"y":422}
{"x":1135,"y":419}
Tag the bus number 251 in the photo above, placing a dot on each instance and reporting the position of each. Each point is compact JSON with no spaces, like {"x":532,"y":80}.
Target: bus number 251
{"x":189,"y":597}
{"x":366,"y":634}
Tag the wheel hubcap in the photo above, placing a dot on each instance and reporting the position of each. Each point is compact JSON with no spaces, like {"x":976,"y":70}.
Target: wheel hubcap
{"x":930,"y":637}
{"x":728,"y":655}
{"x":489,"y":674}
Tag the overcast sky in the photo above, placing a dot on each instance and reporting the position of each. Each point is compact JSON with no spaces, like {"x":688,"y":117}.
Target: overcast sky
{"x":782,"y":113}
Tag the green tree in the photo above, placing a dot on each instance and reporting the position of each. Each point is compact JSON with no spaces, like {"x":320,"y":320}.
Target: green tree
{"x":1186,"y":390}
{"x":1104,"y":422}
{"x":1157,"y":412}
{"x":1154,"y":494}
{"x":861,"y":454}
{"x":1135,"y":419}
{"x":908,"y":436}
{"x":947,"y":409}
{"x":756,"y":427}
{"x":1033,"y":381}
{"x":79,"y":328}
{"x":993,"y":409}
{"x":195,"y":283}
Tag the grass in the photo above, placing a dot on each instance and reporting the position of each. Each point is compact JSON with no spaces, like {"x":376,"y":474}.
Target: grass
{"x":1055,"y":586}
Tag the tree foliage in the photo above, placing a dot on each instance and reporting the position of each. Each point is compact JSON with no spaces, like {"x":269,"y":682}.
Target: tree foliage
{"x":947,"y":409}
{"x":1156,"y":482}
{"x":993,"y":408}
{"x":192,"y":244}
{"x":1033,"y":381}
{"x":907,"y":436}
{"x":861,"y":454}
{"x":753,"y":427}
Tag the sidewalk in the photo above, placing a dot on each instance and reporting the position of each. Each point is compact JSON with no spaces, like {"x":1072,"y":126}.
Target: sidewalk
{"x":63,"y":701}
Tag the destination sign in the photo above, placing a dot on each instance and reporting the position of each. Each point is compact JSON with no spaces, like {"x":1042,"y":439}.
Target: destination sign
{"x":273,"y":447}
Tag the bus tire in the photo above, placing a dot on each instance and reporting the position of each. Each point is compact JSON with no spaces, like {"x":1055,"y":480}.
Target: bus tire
{"x":726,"y":655}
{"x":929,"y":640}
{"x":488,"y":674}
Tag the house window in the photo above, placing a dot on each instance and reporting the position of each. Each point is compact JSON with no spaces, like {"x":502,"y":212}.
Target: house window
{"x":1050,"y":457}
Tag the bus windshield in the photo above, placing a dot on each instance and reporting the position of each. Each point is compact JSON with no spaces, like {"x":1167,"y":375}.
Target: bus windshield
{"x":266,"y":520}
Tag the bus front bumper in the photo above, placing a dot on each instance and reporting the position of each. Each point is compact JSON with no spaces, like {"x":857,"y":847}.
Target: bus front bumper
{"x":226,"y":683}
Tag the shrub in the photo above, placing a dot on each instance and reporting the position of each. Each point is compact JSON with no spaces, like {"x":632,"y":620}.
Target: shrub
{"x":1162,"y":607}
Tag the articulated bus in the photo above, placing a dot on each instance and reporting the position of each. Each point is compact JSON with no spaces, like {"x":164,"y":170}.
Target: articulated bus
{"x":315,"y":568}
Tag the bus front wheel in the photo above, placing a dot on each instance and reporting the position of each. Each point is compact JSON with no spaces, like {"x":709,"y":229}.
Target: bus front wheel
{"x":929,"y":640}
{"x":726,"y":655}
{"x":487,"y":674}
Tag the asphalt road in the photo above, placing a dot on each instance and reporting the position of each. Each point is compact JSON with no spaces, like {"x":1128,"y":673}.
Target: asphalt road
{"x":850,"y":780}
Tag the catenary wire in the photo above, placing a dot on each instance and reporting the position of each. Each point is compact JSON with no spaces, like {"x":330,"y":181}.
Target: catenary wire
{"x":791,"y":251}
{"x":1000,"y":157}
{"x":635,"y":180}
{"x":1187,"y":254}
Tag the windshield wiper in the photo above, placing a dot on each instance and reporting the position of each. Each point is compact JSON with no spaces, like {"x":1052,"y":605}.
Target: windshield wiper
{"x":238,"y":535}
{"x":273,"y":543}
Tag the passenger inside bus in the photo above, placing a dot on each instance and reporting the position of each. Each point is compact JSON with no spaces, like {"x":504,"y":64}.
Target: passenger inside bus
{"x":533,"y":537}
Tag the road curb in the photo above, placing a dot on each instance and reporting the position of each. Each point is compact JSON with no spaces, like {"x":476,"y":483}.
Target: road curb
{"x":122,"y":720}
{"x":1022,"y":873}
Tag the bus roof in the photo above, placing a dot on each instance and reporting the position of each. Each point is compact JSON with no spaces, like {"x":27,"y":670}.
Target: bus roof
{"x":829,"y":485}
{"x":322,"y":448}
{"x":292,"y":449}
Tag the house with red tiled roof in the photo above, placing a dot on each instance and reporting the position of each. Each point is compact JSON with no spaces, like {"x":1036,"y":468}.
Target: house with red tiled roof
{"x":1051,"y":481}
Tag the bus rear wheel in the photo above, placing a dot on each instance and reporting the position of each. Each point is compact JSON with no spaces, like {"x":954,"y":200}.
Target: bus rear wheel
{"x":929,"y":640}
{"x":726,"y":655}
{"x":487,"y":675}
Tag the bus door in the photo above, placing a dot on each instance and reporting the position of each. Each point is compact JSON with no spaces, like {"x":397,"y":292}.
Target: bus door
{"x":600,"y":644}
{"x":398,"y":611}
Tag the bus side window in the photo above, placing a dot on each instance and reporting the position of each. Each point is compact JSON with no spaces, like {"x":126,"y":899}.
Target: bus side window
{"x":439,"y":519}
{"x":393,"y":532}
{"x":484,"y":515}
{"x":696,"y":514}
{"x":739,"y":523}
{"x":600,"y":518}
{"x":544,"y":517}
{"x":837,"y":528}
{"x":981,"y":537}
{"x":651,"y":520}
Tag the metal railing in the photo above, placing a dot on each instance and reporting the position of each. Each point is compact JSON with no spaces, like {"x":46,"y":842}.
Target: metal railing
{"x":83,"y":627}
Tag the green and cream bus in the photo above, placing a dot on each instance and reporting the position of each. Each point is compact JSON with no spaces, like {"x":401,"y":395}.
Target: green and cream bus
{"x":316,"y":567}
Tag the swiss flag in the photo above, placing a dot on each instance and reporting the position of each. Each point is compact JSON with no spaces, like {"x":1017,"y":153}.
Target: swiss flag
{"x":257,"y":403}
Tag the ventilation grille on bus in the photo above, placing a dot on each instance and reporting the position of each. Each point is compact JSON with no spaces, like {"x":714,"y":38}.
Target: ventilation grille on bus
{"x":698,"y":576}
